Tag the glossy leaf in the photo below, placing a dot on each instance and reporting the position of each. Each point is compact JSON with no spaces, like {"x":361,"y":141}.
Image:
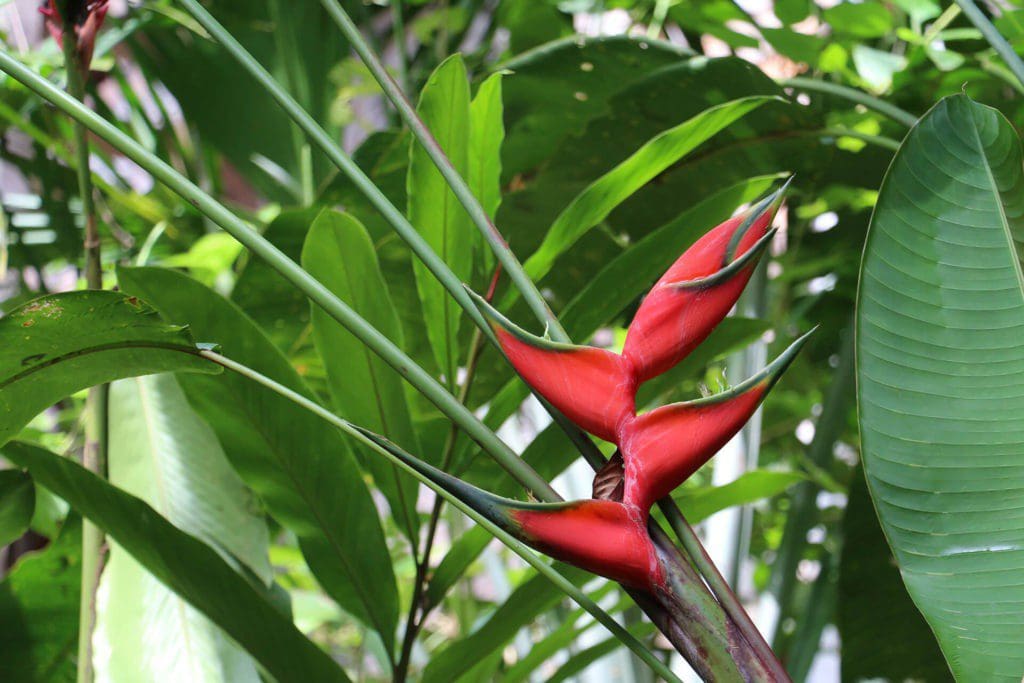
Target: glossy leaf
{"x":615,"y":186}
{"x":160,"y":451}
{"x":435,"y":211}
{"x":486,"y":134}
{"x":39,"y":611}
{"x":59,"y":344}
{"x":188,"y":566}
{"x":940,"y":371}
{"x":365,"y":390}
{"x":300,"y":467}
{"x":17,"y":503}
{"x":884,"y":635}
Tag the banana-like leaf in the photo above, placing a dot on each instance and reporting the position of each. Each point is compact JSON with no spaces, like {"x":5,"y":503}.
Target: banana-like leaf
{"x":434,"y":209}
{"x":162,"y":452}
{"x":192,"y":569}
{"x":59,"y":344}
{"x":486,"y":134}
{"x":940,"y":325}
{"x":302,"y":469}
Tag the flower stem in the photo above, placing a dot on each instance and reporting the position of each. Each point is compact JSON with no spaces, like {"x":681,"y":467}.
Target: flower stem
{"x":94,"y":452}
{"x":847,"y":93}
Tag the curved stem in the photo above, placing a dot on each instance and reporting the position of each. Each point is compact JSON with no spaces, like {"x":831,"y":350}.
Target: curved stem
{"x":994,"y":38}
{"x":878,"y":140}
{"x":879,"y":105}
{"x":516,"y":546}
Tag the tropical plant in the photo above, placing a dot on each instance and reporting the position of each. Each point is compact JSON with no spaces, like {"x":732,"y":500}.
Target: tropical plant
{"x":302,"y":411}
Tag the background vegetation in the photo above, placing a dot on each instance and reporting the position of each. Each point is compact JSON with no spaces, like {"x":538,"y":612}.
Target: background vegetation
{"x":784,"y":509}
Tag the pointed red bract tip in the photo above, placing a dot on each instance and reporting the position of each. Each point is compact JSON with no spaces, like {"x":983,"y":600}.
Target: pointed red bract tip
{"x":665,"y":446}
{"x":592,"y":387}
{"x":675,"y":318}
{"x":601,"y":536}
{"x":87,"y":26}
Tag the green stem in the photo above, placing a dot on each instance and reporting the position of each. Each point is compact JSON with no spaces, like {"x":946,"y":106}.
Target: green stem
{"x":515,"y":545}
{"x":94,"y":452}
{"x":398,"y":34}
{"x":994,"y":38}
{"x":414,"y":619}
{"x":881,"y":106}
{"x":290,"y":270}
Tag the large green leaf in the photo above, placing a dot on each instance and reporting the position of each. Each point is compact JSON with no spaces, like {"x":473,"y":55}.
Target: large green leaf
{"x":59,"y":344}
{"x":160,"y":451}
{"x":434,"y":209}
{"x":301,"y":468}
{"x":614,"y":187}
{"x":883,"y":634}
{"x":941,"y":380}
{"x":189,"y":567}
{"x":17,"y":503}
{"x":365,"y":389}
{"x":39,"y":611}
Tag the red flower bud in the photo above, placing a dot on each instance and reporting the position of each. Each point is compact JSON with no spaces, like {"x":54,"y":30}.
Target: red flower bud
{"x":662,"y":448}
{"x":697,"y":292}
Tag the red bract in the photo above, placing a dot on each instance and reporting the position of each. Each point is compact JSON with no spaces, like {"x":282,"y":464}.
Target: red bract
{"x":696,"y":293}
{"x":88,"y":16}
{"x":603,"y":537}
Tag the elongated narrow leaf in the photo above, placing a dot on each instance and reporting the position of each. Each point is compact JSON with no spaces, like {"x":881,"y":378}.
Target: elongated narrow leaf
{"x":301,"y":468}
{"x":434,"y":209}
{"x":17,"y":503}
{"x":940,"y":321}
{"x":188,"y":566}
{"x":160,"y":451}
{"x":339,"y":253}
{"x":59,"y":344}
{"x":597,"y":201}
{"x":486,"y":134}
{"x":39,"y":611}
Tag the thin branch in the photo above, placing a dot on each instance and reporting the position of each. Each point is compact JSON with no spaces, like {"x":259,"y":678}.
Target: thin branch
{"x":994,"y":38}
{"x":853,"y":95}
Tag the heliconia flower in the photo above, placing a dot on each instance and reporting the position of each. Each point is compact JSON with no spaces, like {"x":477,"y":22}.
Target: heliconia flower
{"x":88,"y":18}
{"x":698,"y":291}
{"x":665,"y":446}
{"x":603,"y":537}
{"x":596,"y":389}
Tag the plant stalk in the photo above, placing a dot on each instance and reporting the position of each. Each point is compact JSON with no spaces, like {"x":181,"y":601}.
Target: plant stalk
{"x":994,"y":38}
{"x":879,"y":105}
{"x":94,"y":452}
